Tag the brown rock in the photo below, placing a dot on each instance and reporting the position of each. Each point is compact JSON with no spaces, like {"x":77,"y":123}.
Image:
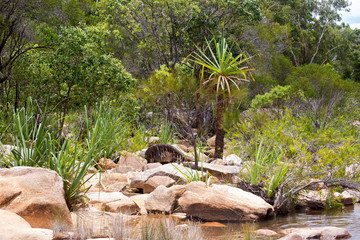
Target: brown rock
{"x":12,"y":226}
{"x":213,"y":224}
{"x":222,"y":203}
{"x":225,"y":173}
{"x":162,"y":199}
{"x":265,"y":232}
{"x":211,"y":141}
{"x":112,"y":202}
{"x":153,"y":165}
{"x":35,"y":194}
{"x":317,"y":233}
{"x":106,"y":164}
{"x":139,"y":200}
{"x":219,"y":161}
{"x":114,"y":182}
{"x":152,"y":183}
{"x":132,"y":160}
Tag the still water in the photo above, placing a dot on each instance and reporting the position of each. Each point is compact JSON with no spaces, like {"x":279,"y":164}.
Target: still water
{"x":348,"y":219}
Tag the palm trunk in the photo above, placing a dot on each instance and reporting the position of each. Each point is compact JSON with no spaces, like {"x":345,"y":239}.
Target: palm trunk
{"x":220,"y":133}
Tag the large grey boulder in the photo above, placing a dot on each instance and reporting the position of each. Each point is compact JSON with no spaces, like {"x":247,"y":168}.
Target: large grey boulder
{"x":35,"y":194}
{"x":223,"y":203}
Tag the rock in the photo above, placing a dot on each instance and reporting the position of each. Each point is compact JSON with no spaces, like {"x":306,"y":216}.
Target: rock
{"x":122,"y":169}
{"x":93,"y":182}
{"x":312,"y":199}
{"x":114,"y":182}
{"x":211,"y":141}
{"x":265,"y":232}
{"x":352,"y":170}
{"x":201,"y":157}
{"x":106,"y":164}
{"x":153,"y":165}
{"x":316,"y":233}
{"x":35,"y":194}
{"x":152,"y":183}
{"x":218,"y":161}
{"x":210,"y":152}
{"x":233,"y":159}
{"x":185,"y":146}
{"x":225,"y":173}
{"x":180,"y":216}
{"x":354,"y":195}
{"x":91,"y":222}
{"x":6,"y":149}
{"x":134,"y":161}
{"x":12,"y":226}
{"x":223,"y":203}
{"x":153,"y":140}
{"x":172,"y":170}
{"x":162,"y":199}
{"x":139,"y":200}
{"x":112,"y":202}
{"x":213,"y":224}
{"x":178,"y":190}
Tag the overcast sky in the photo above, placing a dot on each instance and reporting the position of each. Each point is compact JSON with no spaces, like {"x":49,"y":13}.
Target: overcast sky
{"x":353,"y":17}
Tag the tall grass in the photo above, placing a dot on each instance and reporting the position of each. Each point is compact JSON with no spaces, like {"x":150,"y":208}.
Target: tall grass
{"x":167,"y":133}
{"x":36,"y":145}
{"x":107,"y":130}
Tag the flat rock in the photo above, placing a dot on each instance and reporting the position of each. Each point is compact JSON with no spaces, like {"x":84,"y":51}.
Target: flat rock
{"x":221,"y":172}
{"x":152,"y":183}
{"x":35,"y":194}
{"x":325,"y":233}
{"x":133,"y":161}
{"x":162,"y":199}
{"x":153,"y":165}
{"x":106,"y":164}
{"x":112,"y":202}
{"x":173,"y":170}
{"x":223,"y":203}
{"x":265,"y":232}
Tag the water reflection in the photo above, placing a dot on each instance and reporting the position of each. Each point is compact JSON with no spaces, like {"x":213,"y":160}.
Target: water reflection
{"x":348,"y":219}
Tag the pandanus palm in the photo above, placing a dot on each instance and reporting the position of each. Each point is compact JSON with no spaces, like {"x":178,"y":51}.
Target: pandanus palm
{"x":224,"y":72}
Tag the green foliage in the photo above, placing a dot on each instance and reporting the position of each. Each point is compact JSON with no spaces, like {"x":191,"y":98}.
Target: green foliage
{"x":36,"y":145}
{"x":276,"y":97}
{"x":167,"y":133}
{"x":107,"y":130}
{"x":194,"y":175}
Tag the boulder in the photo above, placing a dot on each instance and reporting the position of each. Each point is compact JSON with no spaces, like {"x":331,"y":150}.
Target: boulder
{"x":265,"y":232}
{"x":114,"y":182}
{"x":162,"y":199}
{"x":312,"y":199}
{"x":221,"y":172}
{"x":172,"y":170}
{"x":218,"y":161}
{"x":12,"y":226}
{"x":153,"y":165}
{"x":91,"y":222}
{"x":139,"y":200}
{"x":223,"y":203}
{"x":133,"y":161}
{"x":112,"y":202}
{"x":211,"y":141}
{"x":106,"y":164}
{"x":35,"y":194}
{"x":152,"y":183}
{"x":233,"y":159}
{"x":201,"y":157}
{"x":316,"y":233}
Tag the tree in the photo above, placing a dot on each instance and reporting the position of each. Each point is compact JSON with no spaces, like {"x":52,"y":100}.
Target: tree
{"x":224,"y":71}
{"x":79,"y":70}
{"x":163,"y":32}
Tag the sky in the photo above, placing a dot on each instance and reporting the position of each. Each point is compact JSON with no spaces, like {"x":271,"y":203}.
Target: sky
{"x":353,"y":17}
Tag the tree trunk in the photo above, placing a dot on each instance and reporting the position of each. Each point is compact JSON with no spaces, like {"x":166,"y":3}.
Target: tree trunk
{"x":220,"y":133}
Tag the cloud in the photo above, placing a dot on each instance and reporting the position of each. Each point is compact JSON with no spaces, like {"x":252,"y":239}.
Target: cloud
{"x":352,"y":17}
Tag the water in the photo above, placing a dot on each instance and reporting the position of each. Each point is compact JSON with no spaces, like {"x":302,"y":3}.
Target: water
{"x":348,"y":219}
